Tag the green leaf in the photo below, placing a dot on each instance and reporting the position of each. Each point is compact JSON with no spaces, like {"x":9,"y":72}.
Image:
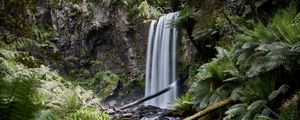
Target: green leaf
{"x":236,"y":94}
{"x":247,"y":116}
{"x":273,"y":95}
{"x":256,"y":105}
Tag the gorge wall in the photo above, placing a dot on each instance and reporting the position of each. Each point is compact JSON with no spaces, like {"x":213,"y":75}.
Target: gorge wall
{"x":100,"y":37}
{"x":96,"y":36}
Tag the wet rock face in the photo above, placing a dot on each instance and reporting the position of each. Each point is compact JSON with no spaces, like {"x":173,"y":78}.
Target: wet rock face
{"x":101,"y":34}
{"x":95,"y":36}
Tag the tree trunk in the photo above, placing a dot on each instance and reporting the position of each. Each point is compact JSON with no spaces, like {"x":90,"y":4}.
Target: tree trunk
{"x":210,"y":108}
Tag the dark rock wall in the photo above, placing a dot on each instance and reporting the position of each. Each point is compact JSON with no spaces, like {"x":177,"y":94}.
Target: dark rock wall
{"x":96,"y":36}
{"x":99,"y":39}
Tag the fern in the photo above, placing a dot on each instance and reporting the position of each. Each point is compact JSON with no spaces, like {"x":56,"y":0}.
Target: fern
{"x":256,"y":96}
{"x":72,"y":102}
{"x":236,"y":111}
{"x":147,"y":11}
{"x":47,"y":115}
{"x":15,"y":42}
{"x":216,"y":80}
{"x":184,"y":105}
{"x":266,"y":48}
{"x":285,"y":24}
{"x":17,"y":86}
{"x":88,"y":114}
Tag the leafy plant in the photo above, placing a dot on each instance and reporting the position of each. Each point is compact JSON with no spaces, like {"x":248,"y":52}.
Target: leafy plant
{"x":267,"y":48}
{"x":184,"y":105}
{"x":47,"y":115}
{"x":17,"y":86}
{"x":88,"y":114}
{"x":147,"y":11}
{"x":105,"y":83}
{"x":257,"y":98}
{"x":216,"y":80}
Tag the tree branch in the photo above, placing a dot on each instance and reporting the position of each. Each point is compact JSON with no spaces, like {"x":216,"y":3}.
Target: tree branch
{"x":210,"y":108}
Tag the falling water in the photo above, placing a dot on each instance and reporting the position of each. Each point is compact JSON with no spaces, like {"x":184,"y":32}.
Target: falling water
{"x":161,"y":60}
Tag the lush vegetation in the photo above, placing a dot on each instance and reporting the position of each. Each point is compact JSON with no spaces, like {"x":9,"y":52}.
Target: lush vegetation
{"x":248,"y":51}
{"x":37,"y":92}
{"x":256,"y":64}
{"x":29,"y":89}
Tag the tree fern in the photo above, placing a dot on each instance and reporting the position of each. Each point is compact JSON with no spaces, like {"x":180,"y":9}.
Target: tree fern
{"x":236,"y":111}
{"x":184,"y":105}
{"x":256,"y":97}
{"x":266,"y":48}
{"x":216,"y":80}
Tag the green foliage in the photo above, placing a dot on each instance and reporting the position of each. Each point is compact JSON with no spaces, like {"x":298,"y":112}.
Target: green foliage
{"x":25,"y":91}
{"x":286,"y":25}
{"x":140,"y":10}
{"x":106,"y":82}
{"x":184,"y":105}
{"x":72,"y":102}
{"x":147,"y":11}
{"x":268,"y":47}
{"x":17,"y":86}
{"x":216,"y":80}
{"x":12,"y":42}
{"x":249,"y":72}
{"x":257,"y":97}
{"x":88,"y":114}
{"x":16,"y":19}
{"x":47,"y":115}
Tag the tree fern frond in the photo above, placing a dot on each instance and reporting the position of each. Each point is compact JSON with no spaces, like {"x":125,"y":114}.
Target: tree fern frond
{"x":237,"y":94}
{"x":282,"y":89}
{"x":205,"y":101}
{"x":17,"y":42}
{"x":236,"y":111}
{"x":221,"y":52}
{"x":250,"y":45}
{"x":256,"y":105}
{"x":9,"y":54}
{"x":216,"y":71}
{"x":248,"y":116}
{"x":296,"y":48}
{"x":213,"y":98}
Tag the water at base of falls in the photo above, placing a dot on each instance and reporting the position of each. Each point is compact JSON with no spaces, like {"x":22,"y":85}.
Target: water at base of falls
{"x":161,"y":60}
{"x":158,"y":118}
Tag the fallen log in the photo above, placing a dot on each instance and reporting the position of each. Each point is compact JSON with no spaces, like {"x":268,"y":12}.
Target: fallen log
{"x":210,"y":108}
{"x":154,"y":95}
{"x":149,"y":97}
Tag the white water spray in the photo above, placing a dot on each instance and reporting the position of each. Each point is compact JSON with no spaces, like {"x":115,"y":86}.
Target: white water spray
{"x":161,"y":61}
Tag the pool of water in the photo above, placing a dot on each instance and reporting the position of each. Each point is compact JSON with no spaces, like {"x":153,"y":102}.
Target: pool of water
{"x":159,"y":118}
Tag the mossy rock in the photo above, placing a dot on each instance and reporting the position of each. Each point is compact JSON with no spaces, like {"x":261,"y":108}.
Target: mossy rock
{"x":106,"y":82}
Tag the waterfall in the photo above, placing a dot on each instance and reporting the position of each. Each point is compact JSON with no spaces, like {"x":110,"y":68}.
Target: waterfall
{"x":161,"y":60}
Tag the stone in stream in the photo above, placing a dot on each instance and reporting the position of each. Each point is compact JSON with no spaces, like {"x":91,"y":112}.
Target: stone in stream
{"x":144,"y":113}
{"x":112,"y":103}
